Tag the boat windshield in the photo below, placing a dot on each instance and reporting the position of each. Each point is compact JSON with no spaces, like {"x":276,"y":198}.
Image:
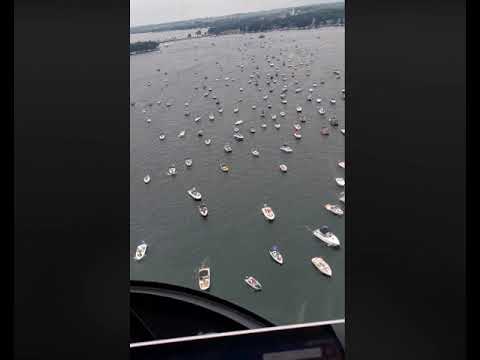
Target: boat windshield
{"x":203,"y":273}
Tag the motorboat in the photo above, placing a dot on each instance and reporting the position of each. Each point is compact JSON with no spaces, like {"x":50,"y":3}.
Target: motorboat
{"x":321,"y":111}
{"x":255,"y":152}
{"x":238,"y":136}
{"x":200,"y":133}
{"x":235,"y":110}
{"x":284,"y":101}
{"x":268,"y":212}
{"x":322,"y":266}
{"x":335,"y":209}
{"x":326,"y":236}
{"x":239,"y":122}
{"x":194,"y":193}
{"x":254,"y":107}
{"x":140,"y":251}
{"x":283,"y":167}
{"x":197,"y":119}
{"x":342,"y":197}
{"x":181,"y":134}
{"x":146,"y":179}
{"x":333,"y":101}
{"x":324,"y":131}
{"x":297,"y":135}
{"x":211,"y":117}
{"x":318,"y":100}
{"x":236,"y":129}
{"x":297,"y":126}
{"x":224,"y":167}
{"x":277,"y":126}
{"x":253,"y":283}
{"x":299,"y":109}
{"x":149,"y":120}
{"x":275,"y":254}
{"x":220,"y":110}
{"x":188,"y":162}
{"x":274,"y":117}
{"x":282,"y":113}
{"x":341,"y":164}
{"x":286,"y":148}
{"x":172,"y":170}
{"x":252,"y":130}
{"x":204,"y":278}
{"x":333,"y":121}
{"x":227,"y":148}
{"x":340,"y":181}
{"x":342,"y":131}
{"x":208,"y":141}
{"x":162,"y":137}
{"x":264,"y":126}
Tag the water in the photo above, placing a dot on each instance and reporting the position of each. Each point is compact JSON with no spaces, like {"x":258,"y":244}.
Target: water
{"x":235,"y":238}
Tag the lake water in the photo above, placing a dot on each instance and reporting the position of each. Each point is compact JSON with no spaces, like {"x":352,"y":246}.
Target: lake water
{"x":235,"y":238}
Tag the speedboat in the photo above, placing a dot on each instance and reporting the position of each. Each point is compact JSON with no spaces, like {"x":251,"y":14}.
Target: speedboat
{"x":203,"y":210}
{"x":200,"y":133}
{"x":303,"y":119}
{"x":268,"y":212}
{"x":333,"y":101}
{"x":146,"y":179}
{"x":297,"y":126}
{"x":224,"y":167}
{"x":341,"y":164}
{"x":265,"y":97}
{"x":264,"y":126}
{"x":162,"y":137}
{"x":211,"y":117}
{"x":309,"y":97}
{"x":334,"y":209}
{"x":204,"y":278}
{"x":340,"y":181}
{"x":274,"y":117}
{"x":326,"y":236}
{"x":275,"y":254}
{"x":333,"y":121}
{"x":188,"y":162}
{"x":181,"y":134}
{"x":208,"y":141}
{"x":253,"y":283}
{"x":238,"y":136}
{"x":227,"y":148}
{"x":324,"y":131}
{"x":321,"y":111}
{"x":172,"y":171}
{"x":235,"y":110}
{"x":277,"y":126}
{"x":255,"y":152}
{"x":239,"y":122}
{"x":318,"y":100}
{"x":297,"y":135}
{"x":342,"y":131}
{"x":149,"y":120}
{"x":194,"y":194}
{"x":254,"y":107}
{"x":342,"y":197}
{"x":220,"y":110}
{"x":140,"y":252}
{"x":282,"y":113}
{"x":283,"y":167}
{"x":299,"y":109}
{"x":252,"y":130}
{"x":286,"y":148}
{"x":197,"y":119}
{"x":322,"y":266}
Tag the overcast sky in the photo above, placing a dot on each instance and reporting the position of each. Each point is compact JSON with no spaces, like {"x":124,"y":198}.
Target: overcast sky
{"x":145,"y":12}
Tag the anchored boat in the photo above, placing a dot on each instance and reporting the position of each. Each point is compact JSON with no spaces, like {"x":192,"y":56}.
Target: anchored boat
{"x":322,"y":266}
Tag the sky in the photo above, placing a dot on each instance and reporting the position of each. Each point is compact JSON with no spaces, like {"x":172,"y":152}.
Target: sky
{"x":145,"y":12}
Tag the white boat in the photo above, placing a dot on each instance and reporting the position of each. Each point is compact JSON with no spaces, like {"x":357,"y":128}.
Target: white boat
{"x":149,"y":120}
{"x":220,"y":110}
{"x":286,"y":148}
{"x":255,"y":152}
{"x":277,"y":126}
{"x":265,"y":97}
{"x":235,"y":110}
{"x":275,"y":254}
{"x":274,"y":117}
{"x":140,"y":252}
{"x":282,"y":113}
{"x":253,"y":283}
{"x":340,"y":181}
{"x":299,"y":109}
{"x":335,"y":209}
{"x":239,"y":122}
{"x":197,"y":119}
{"x":208,"y":141}
{"x":227,"y":148}
{"x":342,"y":131}
{"x":321,"y":111}
{"x":162,"y":137}
{"x":297,"y":135}
{"x":224,"y":167}
{"x":203,"y":210}
{"x":333,"y":101}
{"x":318,"y":100}
{"x":252,"y":130}
{"x":211,"y":117}
{"x":297,"y":126}
{"x":204,"y":278}
{"x":200,"y":133}
{"x":264,"y":126}
{"x":268,"y":212}
{"x":254,"y":107}
{"x":146,"y":179}
{"x":283,"y":167}
{"x":324,"y":131}
{"x":341,"y":164}
{"x":326,"y":236}
{"x":238,"y":136}
{"x":194,"y":193}
{"x":188,"y":162}
{"x":342,"y":197}
{"x":181,"y":134}
{"x":172,"y":171}
{"x":322,"y":266}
